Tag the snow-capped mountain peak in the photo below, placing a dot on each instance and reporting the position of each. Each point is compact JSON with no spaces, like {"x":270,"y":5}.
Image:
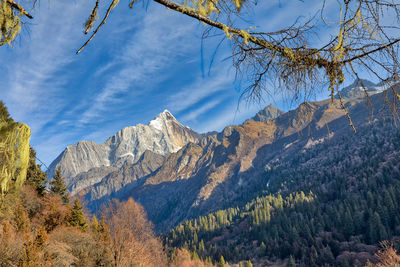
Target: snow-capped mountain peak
{"x":163,"y":135}
{"x":162,"y":120}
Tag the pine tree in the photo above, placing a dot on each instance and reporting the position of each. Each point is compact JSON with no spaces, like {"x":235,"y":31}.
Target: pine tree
{"x":77,"y":217}
{"x":35,"y":176}
{"x":291,"y":263}
{"x":57,"y":186}
{"x":195,"y":256}
{"x":236,"y":252}
{"x":95,"y":224}
{"x":263,"y":249}
{"x":202,"y":248}
{"x":222,"y":262}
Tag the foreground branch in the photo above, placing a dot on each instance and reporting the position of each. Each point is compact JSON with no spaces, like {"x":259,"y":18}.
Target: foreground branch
{"x":20,"y":8}
{"x":306,"y":55}
{"x":112,"y":5}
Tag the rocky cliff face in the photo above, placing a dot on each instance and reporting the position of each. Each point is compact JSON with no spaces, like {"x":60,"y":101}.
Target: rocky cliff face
{"x":87,"y":162}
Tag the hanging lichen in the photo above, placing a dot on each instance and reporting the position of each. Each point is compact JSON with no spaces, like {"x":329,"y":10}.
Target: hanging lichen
{"x":10,"y":20}
{"x":226,"y":31}
{"x":14,"y":153}
{"x":10,"y":24}
{"x":203,"y":7}
{"x":114,"y":3}
{"x":246,"y":36}
{"x":92,"y":18}
{"x":238,"y":4}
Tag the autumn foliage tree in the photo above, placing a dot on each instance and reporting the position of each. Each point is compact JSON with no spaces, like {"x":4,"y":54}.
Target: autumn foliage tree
{"x":386,"y":257}
{"x":182,"y":258}
{"x":133,"y":240}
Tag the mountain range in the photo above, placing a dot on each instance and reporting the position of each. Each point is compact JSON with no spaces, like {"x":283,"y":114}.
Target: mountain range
{"x":178,"y":174}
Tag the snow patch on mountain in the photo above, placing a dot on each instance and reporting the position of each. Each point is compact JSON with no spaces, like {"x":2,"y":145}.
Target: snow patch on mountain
{"x":156,"y":124}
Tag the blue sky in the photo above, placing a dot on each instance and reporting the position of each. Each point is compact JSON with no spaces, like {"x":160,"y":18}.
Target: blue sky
{"x":142,"y":61}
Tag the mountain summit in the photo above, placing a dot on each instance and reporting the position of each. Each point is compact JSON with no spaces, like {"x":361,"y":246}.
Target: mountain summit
{"x":358,"y":88}
{"x":270,"y":112}
{"x":162,"y":136}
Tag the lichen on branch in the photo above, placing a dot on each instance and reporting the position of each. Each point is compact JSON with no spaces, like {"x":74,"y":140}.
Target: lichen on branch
{"x":10,"y":20}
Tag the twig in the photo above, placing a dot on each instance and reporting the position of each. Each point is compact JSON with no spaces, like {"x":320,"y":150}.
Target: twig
{"x":112,"y":5}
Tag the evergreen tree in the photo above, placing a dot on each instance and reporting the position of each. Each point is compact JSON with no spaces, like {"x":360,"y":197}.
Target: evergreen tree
{"x":222,"y":262}
{"x":291,"y":262}
{"x":201,"y":246}
{"x":57,"y":186}
{"x":35,"y":176}
{"x":94,"y":224}
{"x":263,"y":249}
{"x":77,"y":217}
{"x":195,"y":256}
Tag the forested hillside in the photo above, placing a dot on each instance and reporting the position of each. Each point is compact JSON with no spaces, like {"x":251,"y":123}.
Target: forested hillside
{"x":332,"y":205}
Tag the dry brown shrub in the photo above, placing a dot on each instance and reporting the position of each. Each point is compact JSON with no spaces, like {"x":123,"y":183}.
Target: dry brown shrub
{"x":53,"y":214}
{"x":32,"y":202}
{"x":69,"y":246}
{"x":386,"y":257}
{"x":35,"y":249}
{"x":11,"y":245}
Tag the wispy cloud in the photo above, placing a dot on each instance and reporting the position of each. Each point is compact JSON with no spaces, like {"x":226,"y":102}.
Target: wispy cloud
{"x":231,"y":115}
{"x":151,"y":48}
{"x":192,"y":116}
{"x":202,"y":88}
